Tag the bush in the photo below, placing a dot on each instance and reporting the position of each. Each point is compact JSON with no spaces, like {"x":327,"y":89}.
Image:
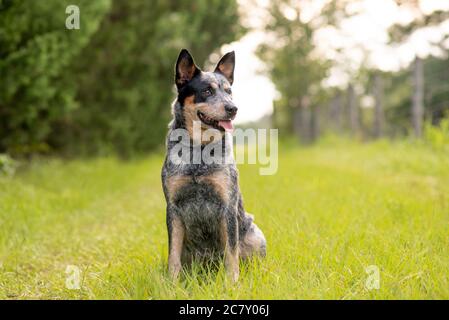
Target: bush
{"x":125,"y":74}
{"x":437,"y":136}
{"x":7,"y":165}
{"x":106,"y":87}
{"x":36,"y":50}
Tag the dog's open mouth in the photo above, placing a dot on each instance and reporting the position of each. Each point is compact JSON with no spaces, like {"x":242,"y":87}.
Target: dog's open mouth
{"x":223,"y":125}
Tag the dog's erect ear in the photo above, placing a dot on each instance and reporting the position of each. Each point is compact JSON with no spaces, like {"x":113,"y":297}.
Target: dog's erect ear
{"x":226,"y":66}
{"x":185,"y":69}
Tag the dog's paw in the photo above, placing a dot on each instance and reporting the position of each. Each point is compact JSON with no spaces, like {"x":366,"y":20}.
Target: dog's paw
{"x":233,"y":275}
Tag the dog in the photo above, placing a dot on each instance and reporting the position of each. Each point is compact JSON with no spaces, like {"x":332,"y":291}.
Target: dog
{"x":205,"y":215}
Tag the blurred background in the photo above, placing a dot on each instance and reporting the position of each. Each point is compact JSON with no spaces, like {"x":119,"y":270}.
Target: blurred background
{"x":359,"y":91}
{"x":362,"y":68}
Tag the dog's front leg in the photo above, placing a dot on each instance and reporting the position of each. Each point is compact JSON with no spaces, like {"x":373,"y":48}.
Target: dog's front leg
{"x":229,"y":236}
{"x":176,"y":232}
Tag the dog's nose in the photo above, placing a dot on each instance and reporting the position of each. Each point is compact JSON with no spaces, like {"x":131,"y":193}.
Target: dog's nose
{"x":231,"y":109}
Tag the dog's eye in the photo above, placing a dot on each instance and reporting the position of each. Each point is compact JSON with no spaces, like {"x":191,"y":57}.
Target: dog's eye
{"x":228,"y":91}
{"x":207,"y":92}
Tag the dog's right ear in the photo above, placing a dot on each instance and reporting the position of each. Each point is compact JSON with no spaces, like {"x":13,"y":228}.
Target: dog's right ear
{"x":185,"y":69}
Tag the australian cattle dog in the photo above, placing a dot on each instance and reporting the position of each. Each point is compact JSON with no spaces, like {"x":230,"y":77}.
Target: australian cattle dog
{"x":206,"y":219}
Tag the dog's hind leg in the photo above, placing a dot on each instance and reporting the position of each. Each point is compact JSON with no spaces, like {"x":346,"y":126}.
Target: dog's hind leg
{"x":176,"y":233}
{"x":229,"y":239}
{"x":253,"y":242}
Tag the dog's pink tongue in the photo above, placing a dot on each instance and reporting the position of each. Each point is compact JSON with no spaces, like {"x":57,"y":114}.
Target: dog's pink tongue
{"x":226,"y":124}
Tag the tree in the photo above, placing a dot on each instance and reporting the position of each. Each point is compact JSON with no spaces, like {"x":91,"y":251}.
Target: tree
{"x":36,"y":51}
{"x":125,"y":74}
{"x":379,"y":118}
{"x":354,"y":118}
{"x":401,"y":34}
{"x":293,"y":69}
{"x":418,"y":97}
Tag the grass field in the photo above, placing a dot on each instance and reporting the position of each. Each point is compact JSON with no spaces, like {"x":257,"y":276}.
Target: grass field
{"x":330,"y":212}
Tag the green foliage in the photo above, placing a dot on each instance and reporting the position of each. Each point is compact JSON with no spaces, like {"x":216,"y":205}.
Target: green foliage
{"x":7,"y":165}
{"x":36,"y":50}
{"x":436,"y":82}
{"x":437,"y":136}
{"x":125,"y":74}
{"x":106,"y":87}
{"x":398,"y":96}
{"x":297,"y":72}
{"x":331,"y":211}
{"x":290,"y":65}
{"x":397,"y":102}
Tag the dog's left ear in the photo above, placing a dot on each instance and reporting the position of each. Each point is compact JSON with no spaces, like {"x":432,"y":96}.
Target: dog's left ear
{"x":226,"y":66}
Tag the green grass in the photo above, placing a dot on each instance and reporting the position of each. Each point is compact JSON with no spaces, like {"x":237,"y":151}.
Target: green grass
{"x":331,"y":211}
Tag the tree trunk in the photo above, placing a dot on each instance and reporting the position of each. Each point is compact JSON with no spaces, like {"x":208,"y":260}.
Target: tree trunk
{"x":354,"y":121}
{"x":306,"y":123}
{"x":418,"y":97}
{"x":379,"y":117}
{"x":315,"y":122}
{"x":297,"y":122}
{"x":302,"y":120}
{"x":335,"y":112}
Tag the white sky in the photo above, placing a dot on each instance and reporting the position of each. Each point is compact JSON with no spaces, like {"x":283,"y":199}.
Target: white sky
{"x":360,"y":41}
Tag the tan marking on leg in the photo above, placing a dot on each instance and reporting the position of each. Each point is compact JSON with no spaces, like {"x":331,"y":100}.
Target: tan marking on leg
{"x":177,"y":239}
{"x":174,"y":183}
{"x":220,"y":181}
{"x":231,"y":256}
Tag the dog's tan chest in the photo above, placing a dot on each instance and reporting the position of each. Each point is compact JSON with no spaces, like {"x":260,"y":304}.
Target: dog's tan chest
{"x":219,"y":181}
{"x":176,"y":183}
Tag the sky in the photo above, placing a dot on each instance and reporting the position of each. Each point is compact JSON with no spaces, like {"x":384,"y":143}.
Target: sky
{"x":361,"y":40}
